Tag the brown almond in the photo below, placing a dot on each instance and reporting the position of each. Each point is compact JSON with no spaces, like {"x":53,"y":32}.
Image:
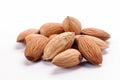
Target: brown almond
{"x":90,"y":50}
{"x":51,"y":28}
{"x":67,"y":58}
{"x":35,"y":46}
{"x":98,"y":41}
{"x":58,"y":44}
{"x":25,"y":33}
{"x":96,"y":32}
{"x":52,"y":36}
{"x":71,"y":24}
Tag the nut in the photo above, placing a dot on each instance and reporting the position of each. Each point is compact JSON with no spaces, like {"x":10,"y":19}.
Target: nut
{"x":25,"y":33}
{"x":98,"y":41}
{"x":96,"y":32}
{"x":90,"y":50}
{"x":51,"y":28}
{"x":71,"y":24}
{"x":52,"y":36}
{"x":35,"y":46}
{"x":58,"y":44}
{"x":67,"y":58}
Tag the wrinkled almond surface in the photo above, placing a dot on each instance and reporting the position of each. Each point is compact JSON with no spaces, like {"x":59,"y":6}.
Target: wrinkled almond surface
{"x":52,"y":36}
{"x":96,"y":32}
{"x":71,"y":24}
{"x":90,"y":50}
{"x":98,"y":41}
{"x":58,"y":44}
{"x":35,"y":46}
{"x":25,"y":33}
{"x":51,"y":28}
{"x":67,"y":58}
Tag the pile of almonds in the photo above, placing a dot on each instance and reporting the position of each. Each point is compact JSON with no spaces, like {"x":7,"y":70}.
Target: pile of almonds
{"x":64,"y":44}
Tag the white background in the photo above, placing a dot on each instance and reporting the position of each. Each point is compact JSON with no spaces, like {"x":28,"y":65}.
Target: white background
{"x":19,"y":15}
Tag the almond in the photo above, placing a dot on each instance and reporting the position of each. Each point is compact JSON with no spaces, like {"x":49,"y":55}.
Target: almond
{"x":51,"y":28}
{"x":90,"y":50}
{"x":25,"y":33}
{"x":98,"y":41}
{"x":96,"y":32}
{"x":58,"y":44}
{"x":71,"y":24}
{"x":35,"y":45}
{"x":67,"y":58}
{"x":52,"y":36}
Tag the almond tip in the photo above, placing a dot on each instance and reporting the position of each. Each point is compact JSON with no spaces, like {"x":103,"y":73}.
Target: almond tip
{"x":30,"y":58}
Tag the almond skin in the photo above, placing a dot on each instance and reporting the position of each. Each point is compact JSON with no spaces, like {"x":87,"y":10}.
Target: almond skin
{"x":71,"y":24}
{"x":98,"y":41}
{"x":25,"y":33}
{"x":67,"y":58}
{"x":58,"y":44}
{"x":52,"y":36}
{"x":35,"y":45}
{"x":51,"y":28}
{"x":90,"y":50}
{"x":96,"y":32}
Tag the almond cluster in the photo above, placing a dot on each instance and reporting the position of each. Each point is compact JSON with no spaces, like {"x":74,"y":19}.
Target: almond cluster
{"x":64,"y":44}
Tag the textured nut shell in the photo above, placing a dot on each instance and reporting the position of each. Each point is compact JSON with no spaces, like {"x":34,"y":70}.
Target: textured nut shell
{"x":35,"y":46}
{"x":67,"y":58}
{"x":71,"y":24}
{"x":58,"y":44}
{"x":90,"y":50}
{"x":98,"y":41}
{"x":52,"y":36}
{"x":51,"y":28}
{"x":25,"y":33}
{"x":96,"y":32}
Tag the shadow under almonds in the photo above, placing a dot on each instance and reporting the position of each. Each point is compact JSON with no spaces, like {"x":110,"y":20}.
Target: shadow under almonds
{"x":47,"y":63}
{"x":29,"y":63}
{"x":104,"y":52}
{"x":108,"y":42}
{"x":84,"y":64}
{"x":19,"y":46}
{"x":60,"y":70}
